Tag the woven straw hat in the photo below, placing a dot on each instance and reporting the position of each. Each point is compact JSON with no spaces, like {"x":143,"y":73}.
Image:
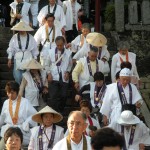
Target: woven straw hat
{"x":96,"y":39}
{"x":22,"y":26}
{"x":127,"y":118}
{"x":32,"y":64}
{"x":37,"y":117}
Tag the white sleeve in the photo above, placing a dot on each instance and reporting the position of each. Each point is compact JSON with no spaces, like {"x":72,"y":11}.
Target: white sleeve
{"x":113,"y":68}
{"x":37,"y":36}
{"x":34,"y":51}
{"x":42,"y":14}
{"x":62,"y":18}
{"x":2,"y":116}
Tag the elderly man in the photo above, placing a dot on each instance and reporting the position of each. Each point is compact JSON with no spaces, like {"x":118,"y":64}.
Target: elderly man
{"x":71,"y":9}
{"x":55,"y":9}
{"x":76,"y":140}
{"x":86,"y":68}
{"x":124,"y":56}
{"x":97,"y":40}
{"x":120,"y":96}
{"x":46,"y":35}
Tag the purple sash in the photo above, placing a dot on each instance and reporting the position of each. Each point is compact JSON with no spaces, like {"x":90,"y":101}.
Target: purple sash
{"x":89,"y":66}
{"x":100,"y":94}
{"x":50,"y":144}
{"x":122,"y":94}
{"x":131,"y":135}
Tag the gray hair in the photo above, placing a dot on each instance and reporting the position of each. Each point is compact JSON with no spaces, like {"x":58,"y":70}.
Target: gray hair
{"x":86,"y":26}
{"x":78,"y":112}
{"x":123,"y":45}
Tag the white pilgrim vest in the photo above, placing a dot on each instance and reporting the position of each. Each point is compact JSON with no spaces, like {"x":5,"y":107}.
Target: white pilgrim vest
{"x":69,"y":16}
{"x":65,"y":64}
{"x":24,"y":12}
{"x":31,"y":89}
{"x":85,"y":75}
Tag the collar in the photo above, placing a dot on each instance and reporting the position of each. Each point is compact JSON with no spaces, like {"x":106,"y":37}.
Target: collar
{"x":15,"y":100}
{"x":72,"y":142}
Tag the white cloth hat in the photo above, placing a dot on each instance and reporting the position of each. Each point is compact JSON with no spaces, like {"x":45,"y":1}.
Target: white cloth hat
{"x":22,"y":26}
{"x":37,"y":117}
{"x":96,"y":39}
{"x":125,"y":72}
{"x":32,"y":64}
{"x":127,"y":118}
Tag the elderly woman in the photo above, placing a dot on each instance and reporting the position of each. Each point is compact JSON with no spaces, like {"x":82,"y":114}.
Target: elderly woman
{"x":16,"y":112}
{"x":13,"y":138}
{"x":34,"y":82}
{"x":47,"y":134}
{"x":123,"y":55}
{"x":22,"y":47}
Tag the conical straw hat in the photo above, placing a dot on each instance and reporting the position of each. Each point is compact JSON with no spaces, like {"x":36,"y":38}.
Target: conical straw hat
{"x":32,"y":64}
{"x":37,"y":117}
{"x":22,"y":26}
{"x":96,"y":39}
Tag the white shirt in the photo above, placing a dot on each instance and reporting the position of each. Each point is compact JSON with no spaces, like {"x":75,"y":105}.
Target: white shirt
{"x":62,"y":145}
{"x":34,"y":140}
{"x":59,"y":14}
{"x":111,"y":106}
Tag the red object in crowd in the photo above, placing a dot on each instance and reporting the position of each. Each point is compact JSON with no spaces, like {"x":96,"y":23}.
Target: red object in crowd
{"x":79,"y":25}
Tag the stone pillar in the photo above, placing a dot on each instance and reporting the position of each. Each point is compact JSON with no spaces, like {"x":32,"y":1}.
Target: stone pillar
{"x":119,"y":15}
{"x":145,"y":12}
{"x":97,"y":15}
{"x":133,"y":12}
{"x":86,"y":6}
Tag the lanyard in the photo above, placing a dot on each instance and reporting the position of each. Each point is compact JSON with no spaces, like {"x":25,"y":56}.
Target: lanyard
{"x":53,"y":9}
{"x":90,"y":122}
{"x":20,"y":46}
{"x":97,"y":98}
{"x":60,"y":57}
{"x":127,"y":58}
{"x":131,"y":135}
{"x":89,"y":66}
{"x":19,"y":8}
{"x":122,"y":94}
{"x":50,"y":144}
{"x":68,"y":140}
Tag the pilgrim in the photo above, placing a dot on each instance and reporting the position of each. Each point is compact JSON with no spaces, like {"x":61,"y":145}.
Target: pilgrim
{"x":86,"y":67}
{"x":45,"y":36}
{"x":76,"y":140}
{"x":71,"y":9}
{"x":20,"y":12}
{"x":58,"y":66}
{"x":98,"y":40}
{"x":124,"y":55}
{"x":45,"y":136}
{"x":34,"y":83}
{"x":135,"y":132}
{"x":97,"y":90}
{"x":22,"y":47}
{"x":120,"y":96}
{"x":16,"y":112}
{"x":56,"y":10}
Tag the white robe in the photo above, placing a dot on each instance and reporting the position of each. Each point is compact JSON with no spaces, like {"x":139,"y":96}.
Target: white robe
{"x":31,"y":89}
{"x":40,"y":37}
{"x":62,"y":145}
{"x":115,"y":65}
{"x":59,"y":15}
{"x":24,"y":11}
{"x":111,"y":106}
{"x":66,"y":64}
{"x":34,"y":140}
{"x":69,"y":15}
{"x":141,"y":135}
{"x":26,"y":111}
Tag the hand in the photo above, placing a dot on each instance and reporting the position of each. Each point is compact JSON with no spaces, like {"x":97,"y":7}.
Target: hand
{"x":103,"y":59}
{"x":76,"y":86}
{"x":45,"y":90}
{"x":105,"y":120}
{"x":18,"y":16}
{"x":66,"y":76}
{"x":141,"y":146}
{"x":63,"y":31}
{"x":68,"y":45}
{"x":49,"y":77}
{"x":77,"y":98}
{"x":9,"y":63}
{"x":138,"y":104}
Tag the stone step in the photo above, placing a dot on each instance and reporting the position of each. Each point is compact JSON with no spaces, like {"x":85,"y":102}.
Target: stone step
{"x":4,"y":46}
{"x":6,"y":76}
{"x":3,"y":53}
{"x":2,"y":93}
{"x":4,"y":68}
{"x":3,"y":60}
{"x":3,"y":83}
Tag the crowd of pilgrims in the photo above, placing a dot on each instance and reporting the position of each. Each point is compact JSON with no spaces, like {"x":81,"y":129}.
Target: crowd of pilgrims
{"x":55,"y":59}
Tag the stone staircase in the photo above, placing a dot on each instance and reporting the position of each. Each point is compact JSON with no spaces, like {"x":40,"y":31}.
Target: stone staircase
{"x":6,"y":75}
